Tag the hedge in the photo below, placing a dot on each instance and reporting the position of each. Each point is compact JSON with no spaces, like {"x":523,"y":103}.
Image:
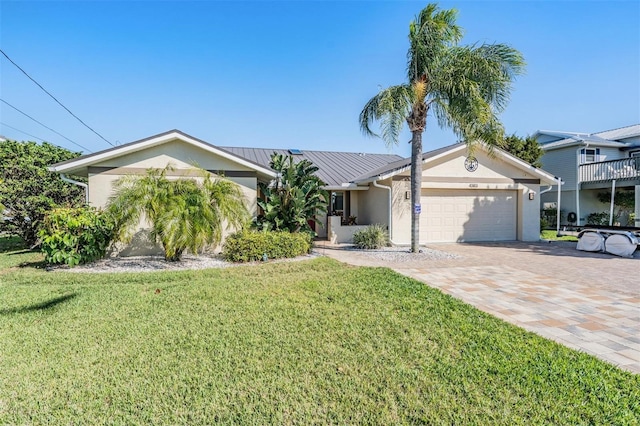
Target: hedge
{"x":249,"y":246}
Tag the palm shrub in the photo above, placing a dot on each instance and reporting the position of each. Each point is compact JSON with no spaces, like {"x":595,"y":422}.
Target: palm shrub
{"x":293,"y":198}
{"x":464,"y":88}
{"x":75,"y":235}
{"x":371,"y":237}
{"x":185,"y":213}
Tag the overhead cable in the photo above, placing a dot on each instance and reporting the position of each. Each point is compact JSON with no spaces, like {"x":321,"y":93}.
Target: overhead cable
{"x":54,"y":98}
{"x":44,"y":125}
{"x":21,"y":131}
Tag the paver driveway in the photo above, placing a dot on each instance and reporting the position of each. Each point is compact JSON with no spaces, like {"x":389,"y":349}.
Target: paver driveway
{"x":587,"y":301}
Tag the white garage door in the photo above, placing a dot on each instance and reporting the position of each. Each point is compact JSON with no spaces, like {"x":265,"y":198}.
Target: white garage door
{"x":450,"y":215}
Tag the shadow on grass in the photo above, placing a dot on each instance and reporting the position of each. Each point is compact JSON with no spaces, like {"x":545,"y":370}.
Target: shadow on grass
{"x":42,"y":306}
{"x":12,"y":244}
{"x":41,"y":264}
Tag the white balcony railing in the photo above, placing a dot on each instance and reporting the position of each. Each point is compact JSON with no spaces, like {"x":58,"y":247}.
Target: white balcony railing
{"x":627,"y":168}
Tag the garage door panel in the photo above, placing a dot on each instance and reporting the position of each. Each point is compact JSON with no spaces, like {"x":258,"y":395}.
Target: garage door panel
{"x":468,"y":215}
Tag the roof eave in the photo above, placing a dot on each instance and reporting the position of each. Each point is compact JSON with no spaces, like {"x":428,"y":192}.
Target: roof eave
{"x":85,"y":161}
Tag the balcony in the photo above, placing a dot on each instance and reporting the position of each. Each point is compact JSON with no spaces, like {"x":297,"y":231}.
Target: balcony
{"x":603,"y":171}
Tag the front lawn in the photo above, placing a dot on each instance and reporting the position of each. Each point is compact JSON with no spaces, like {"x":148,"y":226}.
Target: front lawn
{"x":282,"y":343}
{"x":552,"y":235}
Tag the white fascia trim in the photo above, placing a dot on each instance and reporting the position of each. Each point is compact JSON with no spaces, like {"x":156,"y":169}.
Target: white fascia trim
{"x":593,"y":143}
{"x":157,"y":141}
{"x":350,"y":187}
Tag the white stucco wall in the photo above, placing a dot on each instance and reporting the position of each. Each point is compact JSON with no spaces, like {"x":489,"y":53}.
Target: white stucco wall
{"x":493,"y":173}
{"x":182,"y":157}
{"x":373,"y":205}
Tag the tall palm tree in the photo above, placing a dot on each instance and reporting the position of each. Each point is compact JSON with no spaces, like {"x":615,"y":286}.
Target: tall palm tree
{"x":184,"y":213}
{"x":465,"y":87}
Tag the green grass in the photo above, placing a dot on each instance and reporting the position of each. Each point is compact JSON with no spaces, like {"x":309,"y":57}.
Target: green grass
{"x":552,"y":235}
{"x":285,"y":343}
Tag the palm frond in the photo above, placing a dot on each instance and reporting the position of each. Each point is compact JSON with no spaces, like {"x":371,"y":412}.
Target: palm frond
{"x":432,"y":32}
{"x":390,"y":107}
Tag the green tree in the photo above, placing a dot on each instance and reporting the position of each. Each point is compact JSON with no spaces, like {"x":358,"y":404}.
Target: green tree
{"x":463,"y":86}
{"x":28,"y":190}
{"x":624,"y":201}
{"x":185,"y":213}
{"x":527,"y":149}
{"x":293,"y":198}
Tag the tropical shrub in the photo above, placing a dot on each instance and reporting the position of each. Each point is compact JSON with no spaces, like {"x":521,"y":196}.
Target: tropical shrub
{"x":249,"y":246}
{"x":75,"y":235}
{"x":28,"y":190}
{"x":185,"y":214}
{"x":624,"y":203}
{"x":598,"y":218}
{"x":292,"y":199}
{"x":371,"y":237}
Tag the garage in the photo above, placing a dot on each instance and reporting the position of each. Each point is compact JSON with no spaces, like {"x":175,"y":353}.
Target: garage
{"x":465,"y":215}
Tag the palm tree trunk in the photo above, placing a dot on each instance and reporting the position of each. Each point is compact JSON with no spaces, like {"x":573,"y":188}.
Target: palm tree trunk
{"x":416,"y":186}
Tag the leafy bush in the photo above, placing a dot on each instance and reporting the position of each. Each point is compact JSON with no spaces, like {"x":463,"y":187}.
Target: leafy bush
{"x":28,"y":190}
{"x":371,"y":237}
{"x":248,"y":246}
{"x":75,"y":235}
{"x":598,"y":218}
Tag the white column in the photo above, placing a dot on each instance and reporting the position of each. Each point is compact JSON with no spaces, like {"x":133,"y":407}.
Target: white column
{"x":637,"y":209}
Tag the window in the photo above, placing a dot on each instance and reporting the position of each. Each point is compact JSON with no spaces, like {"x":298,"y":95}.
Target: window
{"x":590,"y":155}
{"x":634,"y":154}
{"x":337,"y":203}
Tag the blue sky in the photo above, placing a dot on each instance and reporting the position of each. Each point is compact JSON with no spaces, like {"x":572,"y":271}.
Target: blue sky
{"x":295,"y":74}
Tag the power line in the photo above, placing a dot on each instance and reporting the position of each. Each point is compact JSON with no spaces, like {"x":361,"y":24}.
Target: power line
{"x":21,"y":131}
{"x":54,"y":98}
{"x":44,"y":125}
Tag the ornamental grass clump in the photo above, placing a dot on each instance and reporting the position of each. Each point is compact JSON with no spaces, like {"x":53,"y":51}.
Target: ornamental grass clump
{"x":371,"y":237}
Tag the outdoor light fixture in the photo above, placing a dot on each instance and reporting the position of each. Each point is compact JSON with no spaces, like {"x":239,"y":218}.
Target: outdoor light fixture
{"x":531,"y":195}
{"x":407,"y":195}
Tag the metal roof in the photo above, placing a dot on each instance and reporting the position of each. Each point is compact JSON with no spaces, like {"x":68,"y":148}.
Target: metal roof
{"x":621,"y":133}
{"x":335,"y":168}
{"x":611,"y":138}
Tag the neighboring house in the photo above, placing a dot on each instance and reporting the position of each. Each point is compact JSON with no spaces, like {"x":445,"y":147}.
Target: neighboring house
{"x":589,"y":164}
{"x":493,"y":198}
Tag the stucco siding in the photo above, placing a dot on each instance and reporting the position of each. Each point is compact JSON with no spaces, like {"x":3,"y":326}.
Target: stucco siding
{"x":373,"y":205}
{"x":401,"y":228}
{"x":528,"y":225}
{"x":179,"y":153}
{"x":492,"y":177}
{"x":101,"y":188}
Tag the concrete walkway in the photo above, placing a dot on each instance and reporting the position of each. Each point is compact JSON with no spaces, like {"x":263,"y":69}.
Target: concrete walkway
{"x":586,"y":301}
